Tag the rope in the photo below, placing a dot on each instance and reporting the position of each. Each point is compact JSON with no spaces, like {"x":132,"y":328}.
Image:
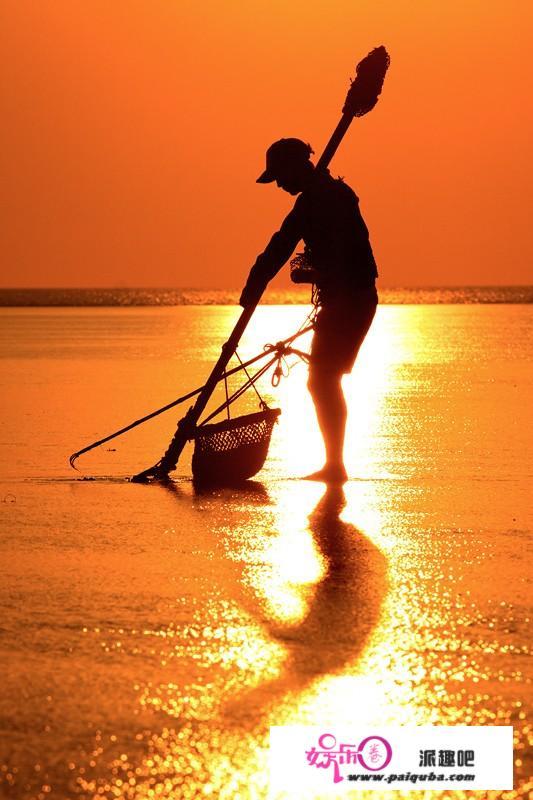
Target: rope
{"x":315,"y":299}
{"x":251,"y":382}
{"x":282,"y":349}
{"x":303,"y":329}
{"x":281,"y":370}
{"x":226,"y":390}
{"x":240,"y":391}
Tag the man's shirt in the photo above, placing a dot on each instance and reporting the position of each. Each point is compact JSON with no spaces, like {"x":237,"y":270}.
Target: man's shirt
{"x":327,"y":217}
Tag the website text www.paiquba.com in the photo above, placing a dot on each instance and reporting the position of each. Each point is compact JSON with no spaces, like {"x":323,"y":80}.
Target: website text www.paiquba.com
{"x":413,"y":777}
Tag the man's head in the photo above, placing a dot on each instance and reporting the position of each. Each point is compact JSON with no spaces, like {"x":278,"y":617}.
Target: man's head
{"x":287,"y":163}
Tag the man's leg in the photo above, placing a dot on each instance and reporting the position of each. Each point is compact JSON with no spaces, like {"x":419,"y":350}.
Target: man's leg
{"x":325,"y":386}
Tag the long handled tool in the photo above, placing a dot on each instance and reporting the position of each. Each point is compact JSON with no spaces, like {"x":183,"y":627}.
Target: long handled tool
{"x":275,"y":351}
{"x":361,"y":98}
{"x":186,"y":425}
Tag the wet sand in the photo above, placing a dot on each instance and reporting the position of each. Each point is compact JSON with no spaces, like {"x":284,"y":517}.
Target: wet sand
{"x":151,"y":635}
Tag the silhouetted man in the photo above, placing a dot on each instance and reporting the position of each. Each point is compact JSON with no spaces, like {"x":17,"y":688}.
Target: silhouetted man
{"x":326,"y":216}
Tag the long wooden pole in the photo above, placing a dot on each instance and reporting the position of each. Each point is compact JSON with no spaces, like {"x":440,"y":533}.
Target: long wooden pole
{"x":269,"y":350}
{"x":187,"y":424}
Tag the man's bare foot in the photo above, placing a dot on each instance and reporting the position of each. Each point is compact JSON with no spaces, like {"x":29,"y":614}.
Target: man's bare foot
{"x":334,"y":473}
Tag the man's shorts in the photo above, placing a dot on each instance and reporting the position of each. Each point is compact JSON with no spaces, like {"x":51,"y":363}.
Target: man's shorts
{"x":340,"y":329}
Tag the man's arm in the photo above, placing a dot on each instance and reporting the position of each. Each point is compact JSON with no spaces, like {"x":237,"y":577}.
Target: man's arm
{"x":276,"y":253}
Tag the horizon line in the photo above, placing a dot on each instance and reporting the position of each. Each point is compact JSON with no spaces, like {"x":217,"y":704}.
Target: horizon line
{"x":294,"y":287}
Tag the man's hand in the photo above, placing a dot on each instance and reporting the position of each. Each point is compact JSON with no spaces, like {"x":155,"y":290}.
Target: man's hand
{"x":250,"y":295}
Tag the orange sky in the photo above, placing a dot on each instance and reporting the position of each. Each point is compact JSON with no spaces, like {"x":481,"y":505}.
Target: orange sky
{"x":132,"y":134}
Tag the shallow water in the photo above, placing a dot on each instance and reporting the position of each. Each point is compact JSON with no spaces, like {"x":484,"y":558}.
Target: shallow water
{"x":151,"y":635}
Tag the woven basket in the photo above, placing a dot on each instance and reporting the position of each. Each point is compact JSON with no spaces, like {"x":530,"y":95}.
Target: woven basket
{"x":231,"y":451}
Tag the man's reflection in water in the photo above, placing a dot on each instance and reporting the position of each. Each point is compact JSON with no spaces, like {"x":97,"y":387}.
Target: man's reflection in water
{"x":341,"y":615}
{"x":346,"y":604}
{"x":222,"y":693}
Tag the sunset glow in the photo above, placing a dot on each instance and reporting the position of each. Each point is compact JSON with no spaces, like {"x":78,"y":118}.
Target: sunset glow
{"x":133,"y":134}
{"x":190,"y":557}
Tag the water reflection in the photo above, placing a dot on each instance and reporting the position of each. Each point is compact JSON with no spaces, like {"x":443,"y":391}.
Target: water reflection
{"x":238,"y":665}
{"x":253,"y":492}
{"x":346,"y":604}
{"x":292,"y":617}
{"x":338,"y":609}
{"x":162,"y":632}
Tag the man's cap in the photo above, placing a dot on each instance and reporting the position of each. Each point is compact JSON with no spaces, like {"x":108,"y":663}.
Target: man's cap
{"x":282,"y":153}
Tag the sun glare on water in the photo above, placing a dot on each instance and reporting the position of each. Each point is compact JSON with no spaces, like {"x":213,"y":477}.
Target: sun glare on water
{"x":297,"y":446}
